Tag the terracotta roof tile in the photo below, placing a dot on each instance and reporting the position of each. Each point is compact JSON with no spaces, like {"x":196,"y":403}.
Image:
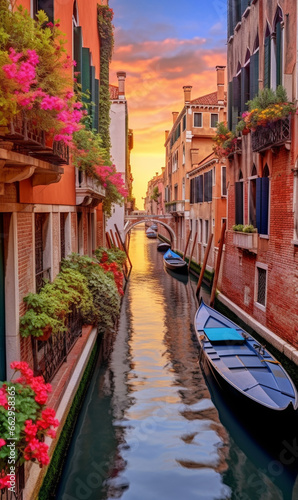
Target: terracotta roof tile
{"x":114,"y":92}
{"x":207,"y":100}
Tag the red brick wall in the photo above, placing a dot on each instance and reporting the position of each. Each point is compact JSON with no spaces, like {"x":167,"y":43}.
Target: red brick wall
{"x":277,"y":252}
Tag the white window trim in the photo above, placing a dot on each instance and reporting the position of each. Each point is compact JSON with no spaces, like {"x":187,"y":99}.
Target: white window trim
{"x":221,"y":181}
{"x":260,"y":265}
{"x":210,"y":119}
{"x":197,"y":113}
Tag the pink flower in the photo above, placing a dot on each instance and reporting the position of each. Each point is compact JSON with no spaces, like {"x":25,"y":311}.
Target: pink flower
{"x":2,"y":442}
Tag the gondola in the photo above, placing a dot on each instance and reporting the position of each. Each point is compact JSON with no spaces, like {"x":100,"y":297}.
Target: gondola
{"x":174,"y":262}
{"x":243,"y":368}
{"x":163,"y":246}
{"x":150,"y":233}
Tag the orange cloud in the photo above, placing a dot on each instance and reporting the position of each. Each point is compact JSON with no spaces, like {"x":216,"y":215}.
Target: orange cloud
{"x":156,"y":72}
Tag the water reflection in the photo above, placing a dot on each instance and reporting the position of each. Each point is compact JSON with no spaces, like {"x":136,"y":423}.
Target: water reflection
{"x":149,"y":428}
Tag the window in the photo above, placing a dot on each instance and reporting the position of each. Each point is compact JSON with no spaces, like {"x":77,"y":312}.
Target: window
{"x":183,"y":189}
{"x":254,"y":70}
{"x":261,"y":284}
{"x":201,"y":230}
{"x":262,"y":202}
{"x":199,"y":189}
{"x":183,"y":155}
{"x":42,"y":250}
{"x":239,"y":199}
{"x":252,"y":197}
{"x":192,"y":191}
{"x":62,"y":235}
{"x":208,"y":186}
{"x":278,"y":47}
{"x":267,"y":58}
{"x":46,"y":5}
{"x":197,"y":120}
{"x":184,"y":123}
{"x":245,"y":82}
{"x":214,"y":120}
{"x":223,"y":181}
{"x":206,"y":231}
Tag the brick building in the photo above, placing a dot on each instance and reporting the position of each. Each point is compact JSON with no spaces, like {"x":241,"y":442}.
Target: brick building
{"x":260,"y":270}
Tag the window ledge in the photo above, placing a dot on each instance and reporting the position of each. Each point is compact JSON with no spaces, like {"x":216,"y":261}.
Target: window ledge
{"x":237,"y":27}
{"x":230,"y":39}
{"x":294,"y":242}
{"x":246,"y":12}
{"x":260,"y":306}
{"x":264,"y":236}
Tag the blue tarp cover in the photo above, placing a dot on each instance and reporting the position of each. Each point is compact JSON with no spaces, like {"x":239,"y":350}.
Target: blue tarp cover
{"x":222,"y":334}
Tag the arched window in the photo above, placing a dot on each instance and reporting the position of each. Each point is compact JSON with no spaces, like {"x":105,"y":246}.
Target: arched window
{"x":254,"y":70}
{"x":278,"y":47}
{"x":253,"y":196}
{"x":267,"y":57}
{"x":239,"y":199}
{"x":262,"y":201}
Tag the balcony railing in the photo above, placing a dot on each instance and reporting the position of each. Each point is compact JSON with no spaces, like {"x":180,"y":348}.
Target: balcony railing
{"x":30,"y":140}
{"x":88,"y":190}
{"x":246,"y":241}
{"x":175,"y":207}
{"x":274,"y":134}
{"x":49,"y":355}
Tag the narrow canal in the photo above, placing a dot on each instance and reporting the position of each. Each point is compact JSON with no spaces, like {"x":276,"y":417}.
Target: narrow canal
{"x":148,"y":429}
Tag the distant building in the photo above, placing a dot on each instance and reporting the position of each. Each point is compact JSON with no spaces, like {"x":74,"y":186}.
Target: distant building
{"x":121,"y":146}
{"x":154,"y":201}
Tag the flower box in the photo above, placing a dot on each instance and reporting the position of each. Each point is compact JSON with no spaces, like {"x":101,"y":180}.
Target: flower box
{"x":246,"y":241}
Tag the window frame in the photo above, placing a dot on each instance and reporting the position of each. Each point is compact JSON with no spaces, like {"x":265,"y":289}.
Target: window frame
{"x":223,"y":194}
{"x":213,"y":114}
{"x":260,"y":265}
{"x":198,"y":113}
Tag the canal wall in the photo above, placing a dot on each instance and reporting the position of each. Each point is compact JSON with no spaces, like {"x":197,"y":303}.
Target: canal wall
{"x":281,"y":345}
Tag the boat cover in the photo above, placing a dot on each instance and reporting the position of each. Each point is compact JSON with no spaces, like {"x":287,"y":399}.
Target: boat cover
{"x":220,"y":335}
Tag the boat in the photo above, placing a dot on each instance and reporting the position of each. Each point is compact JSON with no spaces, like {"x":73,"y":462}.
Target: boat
{"x":154,"y":227}
{"x":163,"y":246}
{"x":150,"y":233}
{"x":243,"y":368}
{"x":174,"y":262}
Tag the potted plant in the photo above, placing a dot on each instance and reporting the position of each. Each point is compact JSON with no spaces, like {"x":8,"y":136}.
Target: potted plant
{"x":245,"y":236}
{"x":22,"y":438}
{"x":225,"y":141}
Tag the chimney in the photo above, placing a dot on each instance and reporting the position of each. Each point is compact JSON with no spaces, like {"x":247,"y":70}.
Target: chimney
{"x":175,"y":115}
{"x":187,"y":94}
{"x":121,"y":75}
{"x":220,"y":84}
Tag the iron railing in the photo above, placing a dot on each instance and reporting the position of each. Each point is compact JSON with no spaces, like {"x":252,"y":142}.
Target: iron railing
{"x":17,"y":494}
{"x":41,"y":278}
{"x":49,"y":355}
{"x":272,"y":135}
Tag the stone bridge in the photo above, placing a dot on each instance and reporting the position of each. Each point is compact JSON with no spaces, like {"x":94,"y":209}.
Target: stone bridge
{"x":167,"y":221}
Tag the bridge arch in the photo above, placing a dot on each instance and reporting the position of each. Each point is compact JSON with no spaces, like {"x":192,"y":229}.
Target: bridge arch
{"x":130,"y":225}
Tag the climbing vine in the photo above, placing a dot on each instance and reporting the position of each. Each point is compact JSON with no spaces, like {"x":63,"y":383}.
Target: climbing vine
{"x":106,"y":35}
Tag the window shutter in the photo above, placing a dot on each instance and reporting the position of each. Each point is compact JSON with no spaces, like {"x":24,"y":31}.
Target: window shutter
{"x":264,"y":204}
{"x":243,"y":88}
{"x":77,"y":35}
{"x":86,"y":74}
{"x":191,"y":190}
{"x":230,"y":99}
{"x":208,"y":186}
{"x":92,"y":94}
{"x":239,"y":202}
{"x":278,"y":55}
{"x":201,"y":189}
{"x":259,"y":203}
{"x":267,"y":65}
{"x":254,"y":75}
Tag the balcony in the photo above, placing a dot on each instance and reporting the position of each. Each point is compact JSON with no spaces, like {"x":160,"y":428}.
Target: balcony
{"x":89,"y":193}
{"x":175,"y":208}
{"x":246,"y":241}
{"x":273,"y":135}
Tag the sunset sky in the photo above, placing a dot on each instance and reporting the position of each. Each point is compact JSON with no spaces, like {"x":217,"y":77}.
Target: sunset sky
{"x":163,"y":45}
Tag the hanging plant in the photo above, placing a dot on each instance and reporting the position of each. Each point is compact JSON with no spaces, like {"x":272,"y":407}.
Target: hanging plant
{"x":225,"y":141}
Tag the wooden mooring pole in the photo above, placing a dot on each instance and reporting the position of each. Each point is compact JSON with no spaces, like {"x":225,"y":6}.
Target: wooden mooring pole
{"x":218,"y":261}
{"x":186,"y":246}
{"x":204,"y":264}
{"x":109,"y":244}
{"x":112,"y":238}
{"x":192,"y":250}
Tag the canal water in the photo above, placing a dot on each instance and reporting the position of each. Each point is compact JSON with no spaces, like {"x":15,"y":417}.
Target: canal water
{"x":149,"y":428}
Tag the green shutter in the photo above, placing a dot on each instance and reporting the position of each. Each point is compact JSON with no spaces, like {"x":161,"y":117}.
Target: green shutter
{"x":278,"y":55}
{"x":77,"y":51}
{"x":243,"y":91}
{"x":92,"y":94}
{"x":267,"y":62}
{"x":254,"y":75}
{"x":86,"y":75}
{"x":238,"y":202}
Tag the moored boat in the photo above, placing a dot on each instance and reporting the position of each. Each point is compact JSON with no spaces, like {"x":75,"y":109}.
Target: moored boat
{"x":174,"y":262}
{"x":163,"y":246}
{"x":242,"y":367}
{"x":150,"y":233}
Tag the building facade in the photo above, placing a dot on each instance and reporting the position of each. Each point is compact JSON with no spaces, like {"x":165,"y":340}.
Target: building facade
{"x":262,"y":180}
{"x":194,"y":179}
